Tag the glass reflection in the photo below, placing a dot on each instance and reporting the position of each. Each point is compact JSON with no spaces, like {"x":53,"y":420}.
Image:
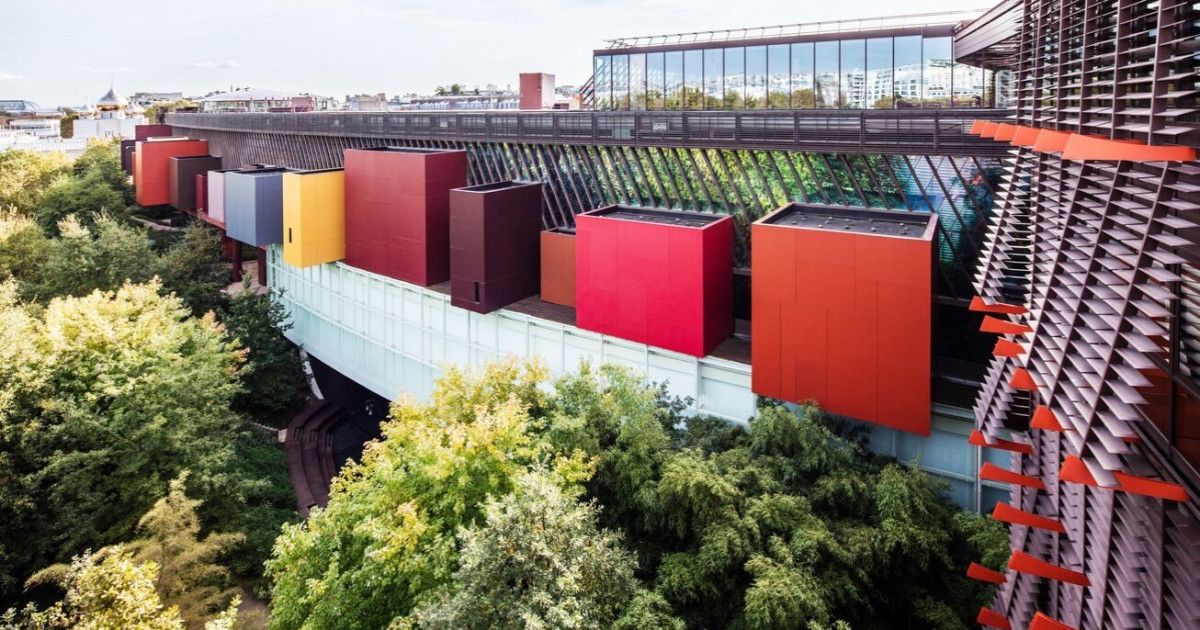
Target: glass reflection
{"x":826,"y":54}
{"x":620,"y":81}
{"x":735,"y":78}
{"x":673,"y":71}
{"x":693,"y":79}
{"x":969,"y":84}
{"x":637,"y":81}
{"x":854,"y":74}
{"x":756,"y":77}
{"x":879,"y":73}
{"x":907,"y":73}
{"x":778,"y":71}
{"x":602,"y":83}
{"x":937,"y":74}
{"x":802,"y":76}
{"x":655,"y":86}
{"x":714,"y":78}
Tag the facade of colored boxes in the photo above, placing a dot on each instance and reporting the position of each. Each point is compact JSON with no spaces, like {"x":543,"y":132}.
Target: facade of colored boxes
{"x":842,"y":312}
{"x":254,"y":206}
{"x":398,"y":211}
{"x":661,"y":278}
{"x":494,"y":232}
{"x":152,"y":166}
{"x":314,"y":217}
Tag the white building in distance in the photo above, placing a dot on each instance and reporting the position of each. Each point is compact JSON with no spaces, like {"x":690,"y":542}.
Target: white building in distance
{"x":112,"y":117}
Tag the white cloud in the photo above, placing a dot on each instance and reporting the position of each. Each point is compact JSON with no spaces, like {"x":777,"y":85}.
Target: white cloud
{"x":116,"y":70}
{"x":213,"y":65}
{"x":8,"y":76}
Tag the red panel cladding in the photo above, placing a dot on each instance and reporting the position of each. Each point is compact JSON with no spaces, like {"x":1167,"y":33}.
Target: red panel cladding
{"x":202,"y":194}
{"x":397,"y":211}
{"x":664,"y":285}
{"x":145,"y":132}
{"x":844,"y":317}
{"x":152,"y":173}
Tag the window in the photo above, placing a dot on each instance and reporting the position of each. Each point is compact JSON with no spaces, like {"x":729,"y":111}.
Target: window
{"x":937,"y":79}
{"x":673,"y":70}
{"x":879,"y":73}
{"x":735,"y":78}
{"x":906,"y":76}
{"x":826,"y":63}
{"x":854,"y":74}
{"x":778,"y":73}
{"x":655,"y":83}
{"x":714,"y":78}
{"x":693,"y":79}
{"x":969,"y":85}
{"x":602,"y":82}
{"x":620,"y":81}
{"x":756,"y":77}
{"x":802,"y":76}
{"x":637,"y":81}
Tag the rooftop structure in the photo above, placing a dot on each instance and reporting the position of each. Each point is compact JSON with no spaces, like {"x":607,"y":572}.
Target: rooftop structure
{"x":256,"y":100}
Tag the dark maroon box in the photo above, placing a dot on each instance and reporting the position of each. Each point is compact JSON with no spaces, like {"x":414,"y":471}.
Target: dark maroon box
{"x":494,"y":232}
{"x":183,"y":172}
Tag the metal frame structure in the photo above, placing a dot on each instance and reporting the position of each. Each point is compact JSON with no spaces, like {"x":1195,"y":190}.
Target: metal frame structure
{"x":1091,"y":269}
{"x":888,"y":132}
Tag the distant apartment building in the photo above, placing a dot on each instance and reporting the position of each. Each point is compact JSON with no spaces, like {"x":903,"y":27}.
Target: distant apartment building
{"x":146,"y":99}
{"x":367,"y":102}
{"x":251,"y":100}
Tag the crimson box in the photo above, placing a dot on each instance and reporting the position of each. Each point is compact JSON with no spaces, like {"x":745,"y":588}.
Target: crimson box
{"x":494,"y":231}
{"x":398,"y":210}
{"x":664,"y":278}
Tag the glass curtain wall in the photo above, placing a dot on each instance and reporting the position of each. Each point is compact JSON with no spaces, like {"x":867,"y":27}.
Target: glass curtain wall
{"x":714,"y":78}
{"x":876,"y":73}
{"x":735,"y":78}
{"x":602,"y":83}
{"x":879,"y":73}
{"x":802,"y":76}
{"x":655,"y":84}
{"x":906,"y":71}
{"x":673,"y":71}
{"x":637,"y":81}
{"x":693,"y":79}
{"x":778,"y":76}
{"x":854,"y":74}
{"x":826,"y":75}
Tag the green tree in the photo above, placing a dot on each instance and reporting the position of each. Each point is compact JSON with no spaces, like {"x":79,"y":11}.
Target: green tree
{"x":66,"y":124}
{"x":192,"y":269}
{"x":156,"y":111}
{"x":538,"y":561}
{"x":109,"y":590}
{"x":191,"y":577}
{"x":386,"y":541}
{"x":83,"y":259}
{"x":24,"y":177}
{"x":83,"y":197}
{"x":102,"y":159}
{"x":103,"y":398}
{"x":272,"y":372}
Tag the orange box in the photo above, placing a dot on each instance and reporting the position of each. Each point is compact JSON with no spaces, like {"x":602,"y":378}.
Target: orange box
{"x":152,"y":166}
{"x":842,"y":308}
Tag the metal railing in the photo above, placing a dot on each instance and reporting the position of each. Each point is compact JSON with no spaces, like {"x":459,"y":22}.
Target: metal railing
{"x":856,"y":25}
{"x":918,"y":131}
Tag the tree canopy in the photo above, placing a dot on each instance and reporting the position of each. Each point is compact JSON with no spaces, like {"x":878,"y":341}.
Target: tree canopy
{"x":780,"y":524}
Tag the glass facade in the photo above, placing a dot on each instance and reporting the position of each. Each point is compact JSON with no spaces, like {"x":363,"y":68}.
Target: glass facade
{"x":876,"y":73}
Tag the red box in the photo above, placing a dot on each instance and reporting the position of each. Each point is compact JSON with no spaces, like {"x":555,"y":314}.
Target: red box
{"x":145,"y":132}
{"x":398,"y":211}
{"x":202,"y":194}
{"x":537,"y":90}
{"x":655,"y":277}
{"x":152,"y":166}
{"x":841,"y":314}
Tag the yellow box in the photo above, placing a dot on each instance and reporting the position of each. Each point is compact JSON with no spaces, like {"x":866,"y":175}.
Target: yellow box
{"x":314,"y":217}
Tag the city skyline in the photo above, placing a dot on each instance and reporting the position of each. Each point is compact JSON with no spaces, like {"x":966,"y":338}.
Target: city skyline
{"x":337,"y":49}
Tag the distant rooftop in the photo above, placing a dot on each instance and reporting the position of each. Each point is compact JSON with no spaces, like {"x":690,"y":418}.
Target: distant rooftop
{"x":253,"y":95}
{"x":860,"y":25}
{"x":23,"y":107}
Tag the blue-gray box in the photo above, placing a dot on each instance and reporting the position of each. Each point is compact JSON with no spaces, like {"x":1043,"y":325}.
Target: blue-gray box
{"x":254,"y":206}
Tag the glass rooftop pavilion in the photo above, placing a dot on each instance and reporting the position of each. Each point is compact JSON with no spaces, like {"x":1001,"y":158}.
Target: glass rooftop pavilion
{"x":882,"y":63}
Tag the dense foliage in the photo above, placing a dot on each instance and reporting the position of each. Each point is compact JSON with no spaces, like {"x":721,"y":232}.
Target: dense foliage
{"x":781,"y":524}
{"x":105,"y":397}
{"x":272,"y":369}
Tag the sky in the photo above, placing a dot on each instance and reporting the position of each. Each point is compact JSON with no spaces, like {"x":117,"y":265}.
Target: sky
{"x":60,"y":52}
